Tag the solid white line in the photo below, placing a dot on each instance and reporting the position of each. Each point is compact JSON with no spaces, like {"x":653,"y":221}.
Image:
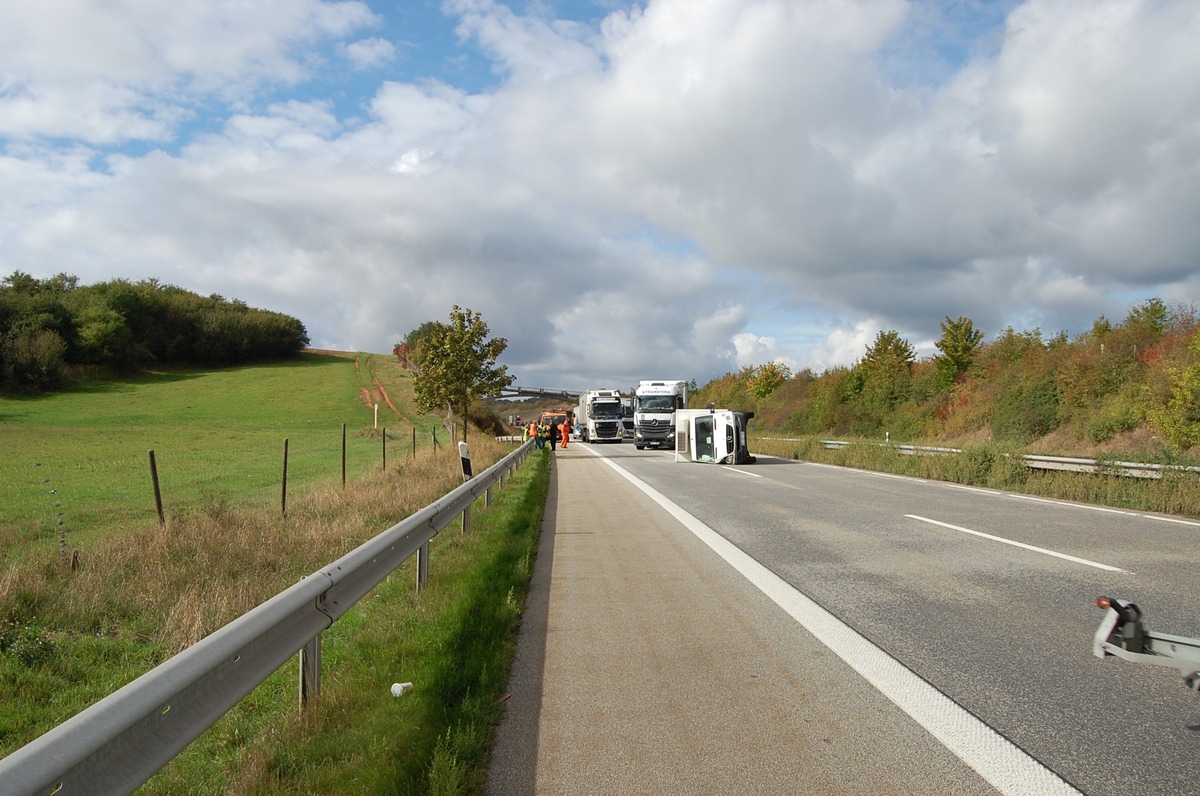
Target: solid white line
{"x":1170,"y":519}
{"x":1001,"y":539}
{"x":1000,"y":762}
{"x":736,"y":470}
{"x":1069,"y":505}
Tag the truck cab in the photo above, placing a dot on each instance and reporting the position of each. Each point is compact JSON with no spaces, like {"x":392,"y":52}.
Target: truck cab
{"x":654,"y":412}
{"x":712,"y":435}
{"x":599,"y":416}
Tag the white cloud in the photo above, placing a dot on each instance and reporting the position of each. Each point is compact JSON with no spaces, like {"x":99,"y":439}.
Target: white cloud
{"x":679,"y":191}
{"x":844,"y":347}
{"x":131,"y":70}
{"x":369,"y":53}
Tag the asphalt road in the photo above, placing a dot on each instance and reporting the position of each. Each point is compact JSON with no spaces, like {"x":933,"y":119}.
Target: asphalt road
{"x":841,"y":632}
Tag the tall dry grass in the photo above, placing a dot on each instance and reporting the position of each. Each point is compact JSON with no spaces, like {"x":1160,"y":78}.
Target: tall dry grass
{"x":138,"y":598}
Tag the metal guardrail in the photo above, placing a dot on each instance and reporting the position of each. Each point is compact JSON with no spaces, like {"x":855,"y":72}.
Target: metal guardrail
{"x":118,"y":743}
{"x":1065,"y":463}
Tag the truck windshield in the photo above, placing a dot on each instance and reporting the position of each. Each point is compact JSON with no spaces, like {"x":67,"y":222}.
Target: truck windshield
{"x":706,"y":450}
{"x":656,"y":403}
{"x":610,"y":411}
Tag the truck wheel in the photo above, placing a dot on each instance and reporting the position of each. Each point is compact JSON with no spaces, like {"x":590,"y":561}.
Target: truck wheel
{"x":640,"y":447}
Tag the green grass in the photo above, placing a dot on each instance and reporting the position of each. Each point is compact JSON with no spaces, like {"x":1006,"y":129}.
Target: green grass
{"x":69,"y":637}
{"x":455,"y":641}
{"x":81,"y":457}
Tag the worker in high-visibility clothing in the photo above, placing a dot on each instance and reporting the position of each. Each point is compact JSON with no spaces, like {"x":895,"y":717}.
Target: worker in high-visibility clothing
{"x":564,"y":428}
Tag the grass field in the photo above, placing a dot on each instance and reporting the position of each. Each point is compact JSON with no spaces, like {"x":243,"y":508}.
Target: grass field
{"x":79,"y":461}
{"x":141,"y":592}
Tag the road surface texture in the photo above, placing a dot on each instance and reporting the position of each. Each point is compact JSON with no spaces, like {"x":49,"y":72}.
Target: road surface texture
{"x":646,"y":664}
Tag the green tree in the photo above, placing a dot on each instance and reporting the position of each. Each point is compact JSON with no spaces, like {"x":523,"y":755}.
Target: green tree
{"x":408,"y":350}
{"x":886,"y":372}
{"x":457,"y":365}
{"x":1151,"y":316}
{"x":1178,"y":421}
{"x":958,"y":344}
{"x":766,"y":379}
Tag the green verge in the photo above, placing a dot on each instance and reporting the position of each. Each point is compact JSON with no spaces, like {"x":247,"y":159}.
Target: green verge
{"x":77,"y":462}
{"x":455,"y":641}
{"x":1000,"y":467}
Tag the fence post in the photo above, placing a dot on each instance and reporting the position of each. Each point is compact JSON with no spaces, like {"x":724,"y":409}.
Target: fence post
{"x":162,"y":520}
{"x":283,"y":493}
{"x":414,"y":436}
{"x":384,"y":444}
{"x":343,"y":455}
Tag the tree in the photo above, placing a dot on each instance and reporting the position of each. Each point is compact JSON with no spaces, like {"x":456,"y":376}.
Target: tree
{"x":766,"y":379}
{"x":1178,"y":421}
{"x":457,"y":365}
{"x":1151,"y":317}
{"x":408,"y":350}
{"x":885,"y":374}
{"x":960,"y":339}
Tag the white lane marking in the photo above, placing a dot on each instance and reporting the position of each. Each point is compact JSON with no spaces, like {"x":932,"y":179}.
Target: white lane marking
{"x":1002,"y":540}
{"x":979,"y":489}
{"x":876,"y":473}
{"x":998,"y":493}
{"x":1069,"y":505}
{"x":1005,"y":766}
{"x":743,"y":472}
{"x":1170,"y":519}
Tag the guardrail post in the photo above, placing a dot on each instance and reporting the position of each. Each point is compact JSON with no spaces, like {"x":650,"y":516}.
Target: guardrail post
{"x":310,"y":672}
{"x":466,"y":522}
{"x":422,"y":567}
{"x":487,"y":500}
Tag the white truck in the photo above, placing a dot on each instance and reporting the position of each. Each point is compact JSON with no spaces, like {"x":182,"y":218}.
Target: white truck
{"x":654,"y":412}
{"x":598,"y":416}
{"x":712,"y":435}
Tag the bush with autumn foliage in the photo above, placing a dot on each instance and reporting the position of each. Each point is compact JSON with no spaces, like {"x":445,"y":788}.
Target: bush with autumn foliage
{"x":1132,"y":387}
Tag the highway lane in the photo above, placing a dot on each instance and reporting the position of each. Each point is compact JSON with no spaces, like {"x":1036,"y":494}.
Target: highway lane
{"x":1004,"y":631}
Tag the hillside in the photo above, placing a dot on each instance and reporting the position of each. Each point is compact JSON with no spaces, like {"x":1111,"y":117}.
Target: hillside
{"x":1131,"y":390}
{"x":94,"y":591}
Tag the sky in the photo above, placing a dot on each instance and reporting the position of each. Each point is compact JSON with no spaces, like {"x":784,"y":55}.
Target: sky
{"x":623,"y":190}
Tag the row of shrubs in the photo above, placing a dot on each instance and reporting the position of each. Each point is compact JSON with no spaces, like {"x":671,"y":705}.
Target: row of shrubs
{"x":1141,"y":374}
{"x":52,"y":328}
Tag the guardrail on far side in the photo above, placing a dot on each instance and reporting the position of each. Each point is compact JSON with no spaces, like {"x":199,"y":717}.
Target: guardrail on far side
{"x":117,"y":744}
{"x":1066,"y":463}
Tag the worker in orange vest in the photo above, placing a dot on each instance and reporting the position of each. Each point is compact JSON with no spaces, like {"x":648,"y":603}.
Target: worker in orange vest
{"x":565,"y":429}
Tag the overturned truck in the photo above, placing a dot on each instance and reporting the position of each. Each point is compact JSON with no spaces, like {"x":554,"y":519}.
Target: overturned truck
{"x":712,"y":435}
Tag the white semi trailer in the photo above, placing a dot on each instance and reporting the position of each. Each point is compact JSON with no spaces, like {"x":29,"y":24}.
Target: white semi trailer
{"x":599,"y":416}
{"x":654,"y":412}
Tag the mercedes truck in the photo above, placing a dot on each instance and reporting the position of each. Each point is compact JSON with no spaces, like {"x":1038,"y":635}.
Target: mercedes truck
{"x":598,"y":416}
{"x":654,"y":412}
{"x":712,"y":435}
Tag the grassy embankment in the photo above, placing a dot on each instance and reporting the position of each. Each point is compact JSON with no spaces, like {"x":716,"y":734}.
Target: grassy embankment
{"x":1001,"y":467}
{"x":142,"y":592}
